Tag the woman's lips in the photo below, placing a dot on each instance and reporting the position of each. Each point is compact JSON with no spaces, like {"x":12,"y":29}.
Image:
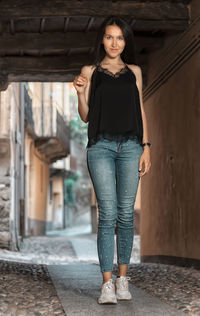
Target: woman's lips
{"x":114,"y":49}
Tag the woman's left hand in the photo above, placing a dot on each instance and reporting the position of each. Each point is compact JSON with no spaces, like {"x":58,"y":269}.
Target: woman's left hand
{"x":146,"y":159}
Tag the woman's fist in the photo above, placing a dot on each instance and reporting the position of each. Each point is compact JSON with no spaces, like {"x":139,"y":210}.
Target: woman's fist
{"x":80,"y":83}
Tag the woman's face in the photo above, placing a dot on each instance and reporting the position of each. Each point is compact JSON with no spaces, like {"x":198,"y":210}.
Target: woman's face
{"x":113,"y":40}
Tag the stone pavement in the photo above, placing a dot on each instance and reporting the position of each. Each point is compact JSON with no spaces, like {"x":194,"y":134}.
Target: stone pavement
{"x":174,"y":286}
{"x":78,"y":287}
{"x":27,"y":290}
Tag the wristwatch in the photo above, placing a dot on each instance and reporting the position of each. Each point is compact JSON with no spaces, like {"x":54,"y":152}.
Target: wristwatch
{"x":146,"y":144}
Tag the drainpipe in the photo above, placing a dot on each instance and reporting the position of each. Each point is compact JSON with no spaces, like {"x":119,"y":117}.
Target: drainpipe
{"x":51,"y":107}
{"x":42,"y":108}
{"x":64,"y":214}
{"x":14,"y":167}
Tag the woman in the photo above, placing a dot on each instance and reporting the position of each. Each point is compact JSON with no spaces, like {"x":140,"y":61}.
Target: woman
{"x":110,"y":99}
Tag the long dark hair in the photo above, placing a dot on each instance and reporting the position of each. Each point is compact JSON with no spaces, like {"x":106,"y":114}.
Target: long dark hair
{"x":128,"y":55}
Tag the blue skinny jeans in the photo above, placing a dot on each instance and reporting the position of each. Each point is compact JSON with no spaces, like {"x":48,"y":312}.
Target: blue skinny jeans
{"x":114,"y":170}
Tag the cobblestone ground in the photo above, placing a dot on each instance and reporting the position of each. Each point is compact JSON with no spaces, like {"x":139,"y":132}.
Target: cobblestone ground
{"x":27,"y":290}
{"x":177,"y":286}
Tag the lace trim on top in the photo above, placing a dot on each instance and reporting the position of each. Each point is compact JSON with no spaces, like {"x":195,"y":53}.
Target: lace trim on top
{"x":117,"y":137}
{"x":108,"y":72}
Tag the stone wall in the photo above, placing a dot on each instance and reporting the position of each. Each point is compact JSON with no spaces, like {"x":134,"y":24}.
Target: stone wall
{"x":4,"y":193}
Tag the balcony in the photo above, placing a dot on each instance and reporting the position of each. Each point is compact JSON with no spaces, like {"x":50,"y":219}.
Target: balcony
{"x":49,"y":129}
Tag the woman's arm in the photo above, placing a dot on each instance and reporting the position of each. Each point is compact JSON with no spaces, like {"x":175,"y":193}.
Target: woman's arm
{"x":138,"y":74}
{"x":83,"y":85}
{"x":145,"y":157}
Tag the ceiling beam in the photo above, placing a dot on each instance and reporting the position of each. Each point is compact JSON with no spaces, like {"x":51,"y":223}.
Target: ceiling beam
{"x":137,"y":24}
{"x":153,"y":10}
{"x":162,"y":25}
{"x":25,"y":76}
{"x":60,"y":68}
{"x":62,"y":41}
{"x":46,"y":64}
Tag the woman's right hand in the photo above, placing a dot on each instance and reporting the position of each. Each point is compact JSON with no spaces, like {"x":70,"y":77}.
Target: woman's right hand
{"x":80,"y":83}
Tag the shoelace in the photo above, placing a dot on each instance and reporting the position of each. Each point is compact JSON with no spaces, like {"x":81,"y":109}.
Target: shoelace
{"x":109,"y":284}
{"x":124,"y":281}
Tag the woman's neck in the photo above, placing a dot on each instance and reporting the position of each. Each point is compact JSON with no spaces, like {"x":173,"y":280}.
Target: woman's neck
{"x":112,"y":62}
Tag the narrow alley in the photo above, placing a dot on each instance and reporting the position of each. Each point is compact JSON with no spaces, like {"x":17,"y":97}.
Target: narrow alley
{"x":49,"y":211}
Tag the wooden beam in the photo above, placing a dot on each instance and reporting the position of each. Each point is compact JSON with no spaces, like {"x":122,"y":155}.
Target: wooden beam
{"x":62,"y":41}
{"x":48,"y":64}
{"x":156,"y":10}
{"x":46,"y":41}
{"x":137,"y":24}
{"x":53,"y":76}
{"x":45,"y":64}
{"x":61,"y":68}
{"x":25,"y":76}
{"x":163,"y":25}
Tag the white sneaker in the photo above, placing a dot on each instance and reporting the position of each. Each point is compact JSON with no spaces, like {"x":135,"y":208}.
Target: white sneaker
{"x":122,"y":291}
{"x":108,"y":293}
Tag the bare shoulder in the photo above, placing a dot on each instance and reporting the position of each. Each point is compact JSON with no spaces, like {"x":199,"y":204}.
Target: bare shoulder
{"x":88,"y":70}
{"x":136,"y":70}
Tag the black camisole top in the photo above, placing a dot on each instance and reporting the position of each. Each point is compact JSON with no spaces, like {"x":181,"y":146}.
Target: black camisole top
{"x":114,"y":106}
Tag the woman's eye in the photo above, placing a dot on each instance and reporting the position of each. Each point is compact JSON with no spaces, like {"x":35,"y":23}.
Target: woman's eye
{"x":120,"y":38}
